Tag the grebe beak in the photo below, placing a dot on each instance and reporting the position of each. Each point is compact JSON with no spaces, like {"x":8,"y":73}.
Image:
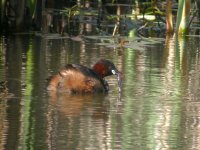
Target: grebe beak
{"x":119,"y":79}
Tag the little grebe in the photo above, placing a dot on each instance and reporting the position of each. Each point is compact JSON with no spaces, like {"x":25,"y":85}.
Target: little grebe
{"x":75,"y":78}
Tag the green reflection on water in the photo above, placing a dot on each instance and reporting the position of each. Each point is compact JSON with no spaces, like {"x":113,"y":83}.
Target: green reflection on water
{"x":28,"y":122}
{"x":152,"y":111}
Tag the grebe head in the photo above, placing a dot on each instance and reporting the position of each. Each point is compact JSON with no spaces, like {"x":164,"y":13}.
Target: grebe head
{"x":106,"y":68}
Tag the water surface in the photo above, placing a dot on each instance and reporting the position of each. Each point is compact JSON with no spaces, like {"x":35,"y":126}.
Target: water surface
{"x":159,"y":106}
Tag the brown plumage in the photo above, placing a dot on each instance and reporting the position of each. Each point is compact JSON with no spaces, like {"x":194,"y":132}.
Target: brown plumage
{"x":75,"y":78}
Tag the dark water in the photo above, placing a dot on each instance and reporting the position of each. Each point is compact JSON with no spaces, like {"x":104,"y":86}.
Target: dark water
{"x":159,"y":108}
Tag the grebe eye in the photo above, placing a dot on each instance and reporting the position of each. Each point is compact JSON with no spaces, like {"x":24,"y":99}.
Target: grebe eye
{"x":113,"y":71}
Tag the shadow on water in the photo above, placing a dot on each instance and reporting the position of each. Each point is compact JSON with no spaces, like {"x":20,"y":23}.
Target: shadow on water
{"x":159,"y":106}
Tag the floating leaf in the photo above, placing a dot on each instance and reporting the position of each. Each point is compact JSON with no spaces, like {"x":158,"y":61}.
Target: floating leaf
{"x":136,"y":43}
